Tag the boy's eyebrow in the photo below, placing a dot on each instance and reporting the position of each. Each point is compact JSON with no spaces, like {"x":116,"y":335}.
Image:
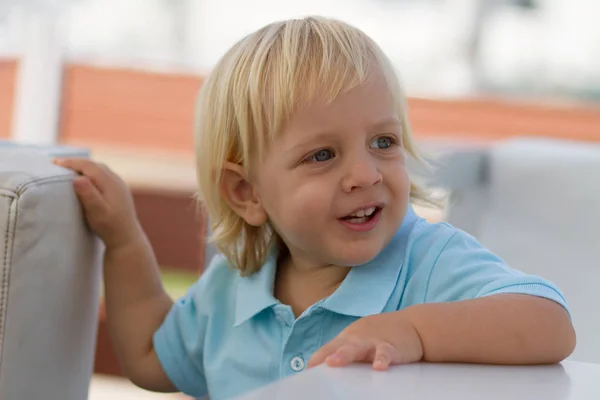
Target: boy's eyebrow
{"x":317,"y":136}
{"x":386,"y":122}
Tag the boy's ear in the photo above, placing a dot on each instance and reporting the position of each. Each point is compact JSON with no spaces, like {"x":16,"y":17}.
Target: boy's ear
{"x":241,"y":196}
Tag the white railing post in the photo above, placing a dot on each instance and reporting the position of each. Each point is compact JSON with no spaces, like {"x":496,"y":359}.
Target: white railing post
{"x":38,"y":89}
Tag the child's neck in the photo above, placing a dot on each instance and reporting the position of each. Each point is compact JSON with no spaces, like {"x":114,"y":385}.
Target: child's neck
{"x":301,"y":285}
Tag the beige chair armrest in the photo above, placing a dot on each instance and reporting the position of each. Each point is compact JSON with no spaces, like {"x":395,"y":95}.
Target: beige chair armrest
{"x":49,"y":281}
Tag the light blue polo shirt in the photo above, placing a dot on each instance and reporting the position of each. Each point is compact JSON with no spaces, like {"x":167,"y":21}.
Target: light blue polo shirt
{"x":228,"y":334}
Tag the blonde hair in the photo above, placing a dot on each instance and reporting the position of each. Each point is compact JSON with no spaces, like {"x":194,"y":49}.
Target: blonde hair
{"x":252,"y":92}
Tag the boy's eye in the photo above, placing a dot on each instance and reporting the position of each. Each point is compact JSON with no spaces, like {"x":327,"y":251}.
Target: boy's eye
{"x":321,"y":155}
{"x":383,"y":142}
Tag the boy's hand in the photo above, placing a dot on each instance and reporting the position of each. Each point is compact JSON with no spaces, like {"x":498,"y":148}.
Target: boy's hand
{"x":107,"y":202}
{"x":380,"y":340}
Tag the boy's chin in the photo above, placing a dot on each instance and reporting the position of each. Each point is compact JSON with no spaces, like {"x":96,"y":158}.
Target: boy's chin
{"x":363,"y":252}
{"x":358,"y":257}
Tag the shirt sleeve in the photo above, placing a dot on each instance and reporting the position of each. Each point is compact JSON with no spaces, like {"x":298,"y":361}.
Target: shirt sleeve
{"x":464,"y":269}
{"x":179,"y":343}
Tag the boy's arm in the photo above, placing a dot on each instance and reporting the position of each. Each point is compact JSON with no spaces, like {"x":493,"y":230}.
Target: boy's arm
{"x":467,"y":305}
{"x":498,"y":329}
{"x":478,"y":309}
{"x":136,"y":305}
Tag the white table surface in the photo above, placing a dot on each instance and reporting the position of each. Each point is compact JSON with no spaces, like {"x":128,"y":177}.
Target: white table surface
{"x":566,"y":381}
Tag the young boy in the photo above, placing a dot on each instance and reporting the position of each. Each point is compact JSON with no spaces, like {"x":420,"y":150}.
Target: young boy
{"x":302,"y":138}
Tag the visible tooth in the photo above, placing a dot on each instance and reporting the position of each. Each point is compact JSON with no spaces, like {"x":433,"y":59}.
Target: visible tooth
{"x":370,"y":211}
{"x":359,"y":213}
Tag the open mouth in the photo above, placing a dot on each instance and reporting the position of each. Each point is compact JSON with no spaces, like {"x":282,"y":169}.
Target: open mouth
{"x":362,"y":216}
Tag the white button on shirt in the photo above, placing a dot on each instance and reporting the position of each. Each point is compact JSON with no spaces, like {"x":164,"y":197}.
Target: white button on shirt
{"x":297,"y":364}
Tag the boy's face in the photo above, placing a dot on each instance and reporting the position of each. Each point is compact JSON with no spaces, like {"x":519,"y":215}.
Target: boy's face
{"x":334,"y":183}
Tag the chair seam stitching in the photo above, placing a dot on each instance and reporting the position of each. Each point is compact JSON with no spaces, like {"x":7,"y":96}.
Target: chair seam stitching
{"x":6,"y":273}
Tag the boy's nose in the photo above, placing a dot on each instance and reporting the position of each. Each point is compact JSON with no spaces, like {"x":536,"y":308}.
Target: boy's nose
{"x":361,"y":174}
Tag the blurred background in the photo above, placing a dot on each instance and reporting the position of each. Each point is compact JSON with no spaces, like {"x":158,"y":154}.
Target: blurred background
{"x":120,"y":78}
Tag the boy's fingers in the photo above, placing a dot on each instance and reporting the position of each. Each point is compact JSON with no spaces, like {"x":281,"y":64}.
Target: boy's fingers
{"x":76,"y":164}
{"x":84,"y":167}
{"x":384,"y":354}
{"x":351,"y":352}
{"x":90,"y":197}
{"x":320,"y":355}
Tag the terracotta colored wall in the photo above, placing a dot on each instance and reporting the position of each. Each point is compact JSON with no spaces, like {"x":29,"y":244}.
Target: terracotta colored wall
{"x":8,"y":74}
{"x":496,"y":119}
{"x":121,"y":107}
{"x":128,"y":108}
{"x":154,"y":110}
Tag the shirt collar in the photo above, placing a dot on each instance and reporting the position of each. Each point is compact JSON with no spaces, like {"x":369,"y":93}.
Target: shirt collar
{"x":255,"y":292}
{"x":365,"y":290}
